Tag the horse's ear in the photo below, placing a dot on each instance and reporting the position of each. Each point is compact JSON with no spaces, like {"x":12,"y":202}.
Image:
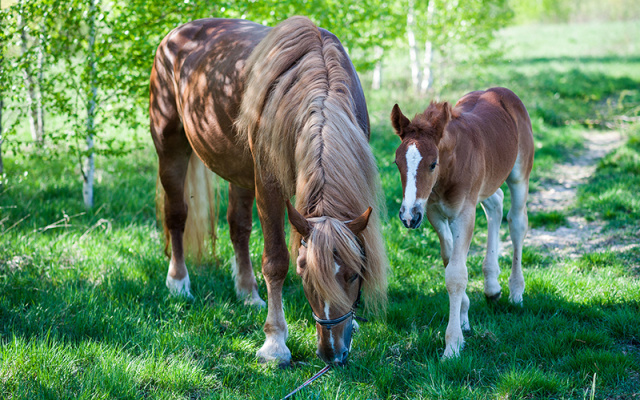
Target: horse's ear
{"x":399,"y":121}
{"x":359,"y":224}
{"x":443,"y":119}
{"x":299,"y":223}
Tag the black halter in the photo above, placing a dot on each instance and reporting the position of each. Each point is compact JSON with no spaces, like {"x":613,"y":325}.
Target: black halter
{"x":330,"y":323}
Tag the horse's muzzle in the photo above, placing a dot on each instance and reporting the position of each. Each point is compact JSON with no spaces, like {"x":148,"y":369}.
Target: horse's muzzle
{"x":338,"y":352}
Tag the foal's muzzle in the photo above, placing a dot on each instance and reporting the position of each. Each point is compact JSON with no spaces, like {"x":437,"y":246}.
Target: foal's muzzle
{"x":414,"y":218}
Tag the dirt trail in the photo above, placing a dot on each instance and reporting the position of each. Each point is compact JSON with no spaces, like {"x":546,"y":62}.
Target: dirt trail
{"x":580,"y":236}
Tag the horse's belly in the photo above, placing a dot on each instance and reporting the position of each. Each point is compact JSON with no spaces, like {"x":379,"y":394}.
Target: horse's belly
{"x":225,"y":158}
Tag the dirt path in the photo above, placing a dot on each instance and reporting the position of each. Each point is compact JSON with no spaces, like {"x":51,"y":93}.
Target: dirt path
{"x":580,"y":236}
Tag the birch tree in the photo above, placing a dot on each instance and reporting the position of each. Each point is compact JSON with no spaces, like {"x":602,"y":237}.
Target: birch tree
{"x":92,"y":91}
{"x":31,"y":61}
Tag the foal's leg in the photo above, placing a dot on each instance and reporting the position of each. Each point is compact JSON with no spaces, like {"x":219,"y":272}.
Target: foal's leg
{"x":493,"y":209}
{"x":518,"y":221}
{"x":240,"y":221}
{"x":456,"y":278}
{"x":275,"y":264}
{"x":441,"y":224}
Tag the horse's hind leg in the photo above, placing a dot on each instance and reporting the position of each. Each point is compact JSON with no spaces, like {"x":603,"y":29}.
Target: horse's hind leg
{"x":173,"y":151}
{"x":493,"y":209}
{"x":518,"y":183}
{"x":240,"y":222}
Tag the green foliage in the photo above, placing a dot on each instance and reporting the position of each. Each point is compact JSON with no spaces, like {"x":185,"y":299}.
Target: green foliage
{"x":84,"y":312}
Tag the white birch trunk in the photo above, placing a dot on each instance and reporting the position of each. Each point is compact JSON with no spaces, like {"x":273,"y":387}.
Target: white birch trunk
{"x":27,"y":76}
{"x":89,"y":168}
{"x":40,"y":79}
{"x":413,"y":48}
{"x":376,"y":83}
{"x":1,"y":137}
{"x":427,"y":72}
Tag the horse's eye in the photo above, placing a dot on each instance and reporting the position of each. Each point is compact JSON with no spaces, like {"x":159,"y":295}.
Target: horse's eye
{"x":433,"y":165}
{"x":353,"y":277}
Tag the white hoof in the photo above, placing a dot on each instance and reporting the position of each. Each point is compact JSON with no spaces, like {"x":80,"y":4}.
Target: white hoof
{"x":254,"y":300}
{"x":180,"y":287}
{"x":516,"y":299}
{"x":452,"y":352}
{"x":274,"y":352}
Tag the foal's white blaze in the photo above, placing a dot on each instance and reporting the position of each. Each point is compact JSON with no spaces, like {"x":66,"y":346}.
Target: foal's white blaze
{"x":413,"y":157}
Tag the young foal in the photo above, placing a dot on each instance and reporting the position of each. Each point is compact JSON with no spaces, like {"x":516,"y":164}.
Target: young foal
{"x":451,"y":159}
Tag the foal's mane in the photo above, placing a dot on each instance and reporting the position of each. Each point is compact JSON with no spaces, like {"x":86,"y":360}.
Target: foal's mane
{"x":299,"y":120}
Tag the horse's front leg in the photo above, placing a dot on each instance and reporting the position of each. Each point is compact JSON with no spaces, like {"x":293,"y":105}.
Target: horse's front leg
{"x":456,"y":277}
{"x":275,"y":264}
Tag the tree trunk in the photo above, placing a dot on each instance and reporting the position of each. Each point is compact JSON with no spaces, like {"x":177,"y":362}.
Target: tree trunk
{"x":27,"y":76}
{"x":376,"y":82}
{"x":427,"y":72}
{"x":413,"y":48}
{"x":89,"y":168}
{"x":1,"y":137}
{"x":40,"y":79}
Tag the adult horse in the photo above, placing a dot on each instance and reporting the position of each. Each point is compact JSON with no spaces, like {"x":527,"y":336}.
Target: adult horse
{"x":449,"y":160}
{"x":276,"y":112}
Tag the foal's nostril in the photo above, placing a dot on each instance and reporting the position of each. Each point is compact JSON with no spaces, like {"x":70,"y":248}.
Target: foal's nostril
{"x":416,"y":220}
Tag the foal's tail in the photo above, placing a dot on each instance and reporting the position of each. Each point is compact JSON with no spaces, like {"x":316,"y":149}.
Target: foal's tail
{"x":201,"y":196}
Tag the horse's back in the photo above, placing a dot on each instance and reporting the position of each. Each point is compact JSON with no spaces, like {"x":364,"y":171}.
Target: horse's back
{"x":496,"y":123}
{"x":199,"y":70}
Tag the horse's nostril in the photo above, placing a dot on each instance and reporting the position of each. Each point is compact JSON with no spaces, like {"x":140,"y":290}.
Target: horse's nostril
{"x":345,"y":355}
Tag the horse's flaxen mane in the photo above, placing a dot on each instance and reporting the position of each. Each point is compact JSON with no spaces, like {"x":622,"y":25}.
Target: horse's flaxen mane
{"x":299,"y":120}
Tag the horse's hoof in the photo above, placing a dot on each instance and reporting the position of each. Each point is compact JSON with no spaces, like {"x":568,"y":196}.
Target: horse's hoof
{"x":254,"y":300}
{"x":516,"y":300}
{"x":180,"y":287}
{"x":282,"y":364}
{"x":271,"y":353}
{"x":494,"y":297}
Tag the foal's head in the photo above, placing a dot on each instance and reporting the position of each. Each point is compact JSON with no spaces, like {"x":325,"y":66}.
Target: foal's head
{"x":418,"y":156}
{"x":331,"y":262}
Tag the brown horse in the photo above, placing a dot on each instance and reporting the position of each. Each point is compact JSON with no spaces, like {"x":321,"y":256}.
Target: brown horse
{"x":449,"y":160}
{"x":276,"y":112}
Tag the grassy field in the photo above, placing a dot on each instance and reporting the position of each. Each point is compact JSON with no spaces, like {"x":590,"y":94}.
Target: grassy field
{"x":84,"y":312}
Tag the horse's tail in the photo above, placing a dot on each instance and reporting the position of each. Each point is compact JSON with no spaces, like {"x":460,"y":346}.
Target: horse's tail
{"x":201,"y":195}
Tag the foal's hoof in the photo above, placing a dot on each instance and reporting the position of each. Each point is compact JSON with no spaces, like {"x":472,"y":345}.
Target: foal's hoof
{"x":494,"y":297}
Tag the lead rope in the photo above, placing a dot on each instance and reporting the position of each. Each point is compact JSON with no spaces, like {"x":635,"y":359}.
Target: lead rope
{"x":308,"y":381}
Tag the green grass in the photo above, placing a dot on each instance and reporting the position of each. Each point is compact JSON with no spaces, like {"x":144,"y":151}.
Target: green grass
{"x":84,"y":312}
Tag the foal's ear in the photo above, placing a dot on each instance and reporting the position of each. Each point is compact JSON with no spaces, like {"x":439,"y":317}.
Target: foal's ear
{"x":441,"y":121}
{"x":359,"y":224}
{"x":299,"y":222}
{"x":399,"y":121}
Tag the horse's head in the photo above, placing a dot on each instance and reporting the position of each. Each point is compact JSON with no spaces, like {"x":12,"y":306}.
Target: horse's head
{"x":331,"y":263}
{"x":417,"y":157}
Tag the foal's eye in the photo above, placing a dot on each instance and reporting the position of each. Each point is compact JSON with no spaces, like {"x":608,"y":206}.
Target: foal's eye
{"x":353,"y":277}
{"x":433,"y":165}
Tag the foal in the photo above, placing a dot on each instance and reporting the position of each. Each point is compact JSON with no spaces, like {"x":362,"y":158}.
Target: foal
{"x":449,"y":160}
